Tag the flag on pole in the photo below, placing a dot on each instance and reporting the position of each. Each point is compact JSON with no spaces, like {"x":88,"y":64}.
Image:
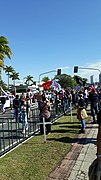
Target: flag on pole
{"x":56,"y":86}
{"x":47,"y":85}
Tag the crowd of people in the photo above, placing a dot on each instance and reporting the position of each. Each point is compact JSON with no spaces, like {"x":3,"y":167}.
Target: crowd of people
{"x":79,"y":99}
{"x":64,"y":99}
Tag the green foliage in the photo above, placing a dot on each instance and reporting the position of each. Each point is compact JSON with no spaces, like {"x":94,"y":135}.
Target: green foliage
{"x":65,"y":80}
{"x":4,"y":48}
{"x":45,"y":79}
{"x":8,"y":69}
{"x":3,"y":84}
{"x":80,"y":81}
{"x":14,"y":75}
{"x":29,"y":79}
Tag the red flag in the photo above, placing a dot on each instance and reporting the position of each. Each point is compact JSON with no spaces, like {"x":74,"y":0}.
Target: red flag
{"x":47,"y":85}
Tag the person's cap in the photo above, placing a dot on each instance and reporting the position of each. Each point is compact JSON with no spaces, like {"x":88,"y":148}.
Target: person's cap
{"x":93,"y":90}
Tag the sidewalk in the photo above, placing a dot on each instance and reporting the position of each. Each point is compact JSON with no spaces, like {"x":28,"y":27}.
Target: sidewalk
{"x":76,"y":163}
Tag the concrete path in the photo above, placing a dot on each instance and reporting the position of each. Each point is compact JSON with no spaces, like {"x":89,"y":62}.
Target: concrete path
{"x":76,"y":163}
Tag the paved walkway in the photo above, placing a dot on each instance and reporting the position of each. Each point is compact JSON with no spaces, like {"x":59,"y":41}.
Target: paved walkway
{"x":76,"y":163}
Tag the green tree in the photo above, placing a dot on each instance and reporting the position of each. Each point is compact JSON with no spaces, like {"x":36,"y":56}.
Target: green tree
{"x":5,"y":50}
{"x":65,"y":80}
{"x":80,"y":81}
{"x":3,"y":85}
{"x":14,"y":76}
{"x":29,"y":79}
{"x":8,"y":70}
{"x":45,"y":79}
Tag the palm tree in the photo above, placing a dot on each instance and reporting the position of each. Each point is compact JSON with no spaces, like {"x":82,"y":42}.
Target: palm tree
{"x":45,"y":79}
{"x":5,"y":50}
{"x":14,"y":76}
{"x":29,"y":79}
{"x":8,"y":70}
{"x":3,"y":85}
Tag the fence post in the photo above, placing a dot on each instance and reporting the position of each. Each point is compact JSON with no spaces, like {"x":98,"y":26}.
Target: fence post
{"x":44,"y":130}
{"x":71,"y":117}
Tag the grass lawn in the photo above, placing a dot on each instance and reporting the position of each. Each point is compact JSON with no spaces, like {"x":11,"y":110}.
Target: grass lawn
{"x":34,"y":159}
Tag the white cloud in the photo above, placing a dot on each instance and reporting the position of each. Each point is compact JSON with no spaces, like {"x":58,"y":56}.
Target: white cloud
{"x":86,"y":73}
{"x":65,"y":67}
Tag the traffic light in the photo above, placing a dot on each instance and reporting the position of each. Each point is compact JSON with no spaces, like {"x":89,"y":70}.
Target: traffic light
{"x":59,"y":72}
{"x":75,"y":69}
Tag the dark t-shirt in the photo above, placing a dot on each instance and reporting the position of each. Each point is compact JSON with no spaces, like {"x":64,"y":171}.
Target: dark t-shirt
{"x":81,"y":102}
{"x":16,"y":103}
{"x":3,"y":100}
{"x":94,"y":98}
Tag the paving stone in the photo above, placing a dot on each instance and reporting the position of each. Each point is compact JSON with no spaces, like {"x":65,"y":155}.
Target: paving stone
{"x":75,"y":164}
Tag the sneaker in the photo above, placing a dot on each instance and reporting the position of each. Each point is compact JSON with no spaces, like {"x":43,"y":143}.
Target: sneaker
{"x":48,"y":133}
{"x":23,"y":132}
{"x":27,"y":128}
{"x":82,"y":131}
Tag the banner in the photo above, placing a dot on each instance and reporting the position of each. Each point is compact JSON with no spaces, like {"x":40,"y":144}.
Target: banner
{"x":56,"y":86}
{"x":47,"y":85}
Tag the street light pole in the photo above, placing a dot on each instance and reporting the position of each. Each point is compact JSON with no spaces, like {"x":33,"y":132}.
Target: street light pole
{"x":91,"y":69}
{"x":94,"y":69}
{"x":76,"y":67}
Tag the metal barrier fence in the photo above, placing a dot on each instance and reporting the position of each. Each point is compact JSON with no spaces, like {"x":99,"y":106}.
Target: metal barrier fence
{"x":11,"y":131}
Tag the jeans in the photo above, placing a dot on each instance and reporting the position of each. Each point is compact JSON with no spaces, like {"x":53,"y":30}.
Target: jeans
{"x":83,"y":124}
{"x":24,"y":120}
{"x":16,"y":113}
{"x":2,"y":107}
{"x":94,"y":111}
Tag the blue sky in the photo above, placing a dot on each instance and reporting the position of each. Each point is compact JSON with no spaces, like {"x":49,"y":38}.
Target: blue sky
{"x":48,"y":34}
